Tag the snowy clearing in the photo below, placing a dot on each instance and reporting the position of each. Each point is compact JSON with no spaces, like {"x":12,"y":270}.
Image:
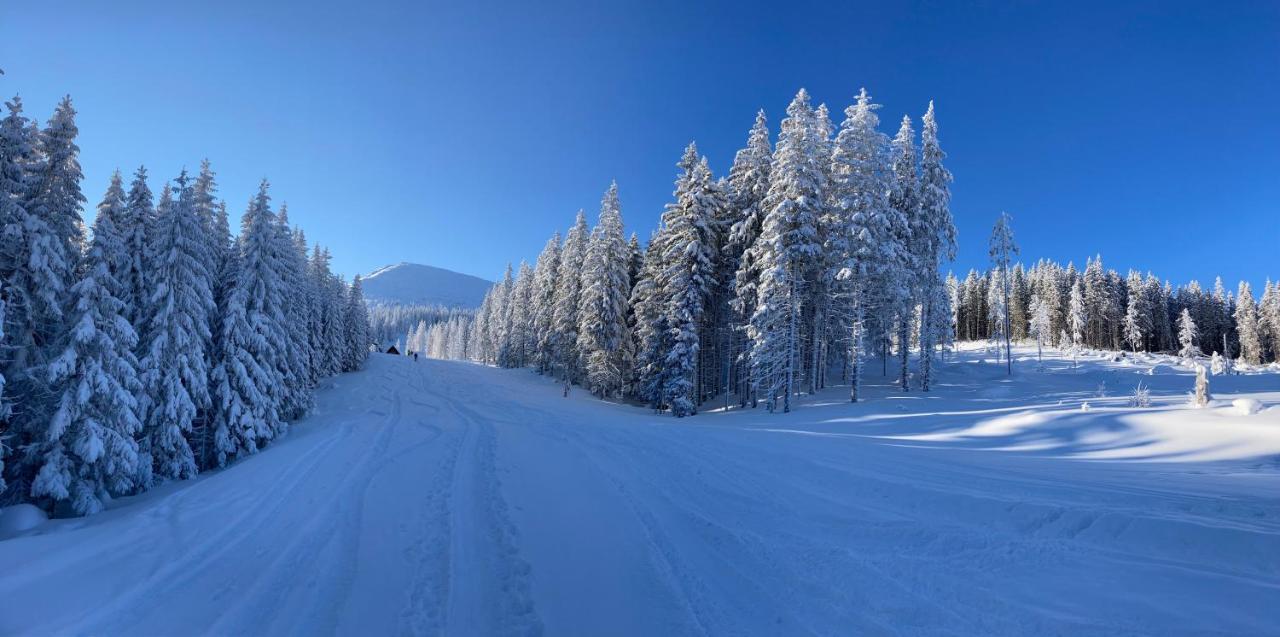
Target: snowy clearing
{"x":451,"y":498}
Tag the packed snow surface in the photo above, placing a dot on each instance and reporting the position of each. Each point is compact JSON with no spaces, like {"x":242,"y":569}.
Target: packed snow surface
{"x":450,"y":498}
{"x":413,"y":283}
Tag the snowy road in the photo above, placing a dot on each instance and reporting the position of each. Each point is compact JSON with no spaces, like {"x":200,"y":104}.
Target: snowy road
{"x":448,"y":498}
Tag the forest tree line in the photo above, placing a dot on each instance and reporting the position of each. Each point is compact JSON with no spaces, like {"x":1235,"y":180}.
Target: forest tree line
{"x":770,"y":281}
{"x":1102,"y":309}
{"x":155,"y":344}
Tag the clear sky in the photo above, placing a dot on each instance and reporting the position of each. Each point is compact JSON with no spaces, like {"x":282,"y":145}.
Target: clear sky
{"x":462,"y":134}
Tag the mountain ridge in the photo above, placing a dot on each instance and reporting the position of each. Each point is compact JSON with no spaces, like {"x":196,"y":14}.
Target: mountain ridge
{"x":419,"y":284}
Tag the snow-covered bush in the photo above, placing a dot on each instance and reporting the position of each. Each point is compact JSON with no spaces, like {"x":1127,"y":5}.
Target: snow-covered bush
{"x":1218,"y":364}
{"x":1246,"y":406}
{"x":1201,"y":397}
{"x":1141,"y":396}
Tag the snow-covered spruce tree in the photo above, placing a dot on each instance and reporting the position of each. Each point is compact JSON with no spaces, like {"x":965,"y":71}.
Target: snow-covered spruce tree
{"x":26,"y":289}
{"x":1187,"y":334}
{"x":514,"y":352}
{"x":935,"y":236}
{"x":5,"y":407}
{"x":481,"y":333}
{"x":1269,"y":322}
{"x":688,"y":261}
{"x":1137,"y":314}
{"x":88,"y":452}
{"x":1162,"y":322}
{"x":498,"y":326}
{"x":1002,"y":250}
{"x":1077,"y":319}
{"x":635,"y":266}
{"x":816,"y":309}
{"x":40,"y":203}
{"x":787,"y":243}
{"x":174,"y":372}
{"x":295,"y":362}
{"x":135,"y":228}
{"x":330,"y":300}
{"x":748,"y":185}
{"x":56,"y":195}
{"x":113,"y":212}
{"x":861,"y":181}
{"x":1041,"y":323}
{"x":606,"y":288}
{"x":564,"y":321}
{"x":357,"y":324}
{"x":1133,"y":333}
{"x":1101,"y":306}
{"x":997,"y":310}
{"x":651,"y":336}
{"x":1019,"y":303}
{"x":239,"y":411}
{"x":1246,"y":318}
{"x":953,"y":321}
{"x":904,"y":197}
{"x":1221,"y":313}
{"x":543,"y":299}
{"x":207,"y":208}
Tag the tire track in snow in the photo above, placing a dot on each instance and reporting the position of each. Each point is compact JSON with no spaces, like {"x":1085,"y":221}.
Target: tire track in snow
{"x":492,"y":595}
{"x":423,"y":611}
{"x":193,"y":560}
{"x":331,"y":585}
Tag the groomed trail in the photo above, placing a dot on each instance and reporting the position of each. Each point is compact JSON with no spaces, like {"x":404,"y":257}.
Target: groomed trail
{"x":454,"y":499}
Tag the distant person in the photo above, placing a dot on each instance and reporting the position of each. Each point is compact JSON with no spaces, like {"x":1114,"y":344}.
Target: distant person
{"x":415,"y":357}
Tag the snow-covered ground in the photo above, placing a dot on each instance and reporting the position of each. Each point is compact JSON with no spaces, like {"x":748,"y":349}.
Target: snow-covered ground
{"x":449,"y":498}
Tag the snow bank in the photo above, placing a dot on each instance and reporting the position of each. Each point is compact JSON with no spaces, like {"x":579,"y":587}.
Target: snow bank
{"x":1246,"y":406}
{"x":20,"y":518}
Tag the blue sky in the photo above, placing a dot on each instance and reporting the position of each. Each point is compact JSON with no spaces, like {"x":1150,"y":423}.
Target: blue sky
{"x":462,"y":134}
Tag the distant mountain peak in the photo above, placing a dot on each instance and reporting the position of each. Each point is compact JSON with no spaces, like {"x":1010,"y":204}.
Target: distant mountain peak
{"x":414,"y":283}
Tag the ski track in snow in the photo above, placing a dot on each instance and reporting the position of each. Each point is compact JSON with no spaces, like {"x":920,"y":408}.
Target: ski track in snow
{"x":441,"y":498}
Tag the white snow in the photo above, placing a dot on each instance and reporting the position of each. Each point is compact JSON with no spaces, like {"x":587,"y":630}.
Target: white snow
{"x":20,"y":518}
{"x":448,"y":497}
{"x":1246,"y":406}
{"x":415,"y":284}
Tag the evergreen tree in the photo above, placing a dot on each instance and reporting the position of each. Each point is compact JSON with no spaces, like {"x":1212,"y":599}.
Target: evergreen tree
{"x":1187,"y":334}
{"x":861,"y":177}
{"x":135,"y":229}
{"x":295,"y":362}
{"x":904,"y":197}
{"x":687,"y":279}
{"x":1269,"y":321}
{"x":1246,"y":317}
{"x":88,"y":452}
{"x":748,"y":185}
{"x":543,"y":301}
{"x":1002,"y":250}
{"x":515,"y":348}
{"x":652,"y":338}
{"x":1041,"y":323}
{"x":1077,"y":319}
{"x":39,"y":248}
{"x":606,"y":288}
{"x":567,"y":299}
{"x":787,"y":243}
{"x":5,"y":408}
{"x":173,"y":368}
{"x":357,"y":324}
{"x":935,"y":236}
{"x":56,"y":195}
